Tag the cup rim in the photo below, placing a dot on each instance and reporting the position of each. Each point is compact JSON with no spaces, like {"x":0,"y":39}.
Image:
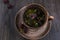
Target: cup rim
{"x":43,"y":9}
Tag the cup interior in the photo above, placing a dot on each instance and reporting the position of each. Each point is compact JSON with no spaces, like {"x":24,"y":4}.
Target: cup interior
{"x":34,"y":16}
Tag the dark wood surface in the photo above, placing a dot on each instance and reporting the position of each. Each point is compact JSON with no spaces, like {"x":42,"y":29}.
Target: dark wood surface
{"x":7,"y":30}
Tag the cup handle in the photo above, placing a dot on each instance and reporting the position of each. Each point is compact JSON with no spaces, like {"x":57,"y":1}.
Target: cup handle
{"x":50,"y":18}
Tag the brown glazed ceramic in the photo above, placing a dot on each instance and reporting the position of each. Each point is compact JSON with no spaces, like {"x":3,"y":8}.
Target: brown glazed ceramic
{"x":33,"y":33}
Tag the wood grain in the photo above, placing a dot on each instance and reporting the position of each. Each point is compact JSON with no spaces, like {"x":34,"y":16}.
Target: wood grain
{"x":7,"y":30}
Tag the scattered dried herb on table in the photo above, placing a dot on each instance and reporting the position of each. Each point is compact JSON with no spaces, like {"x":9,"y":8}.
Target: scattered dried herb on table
{"x":23,"y":29}
{"x":9,"y":6}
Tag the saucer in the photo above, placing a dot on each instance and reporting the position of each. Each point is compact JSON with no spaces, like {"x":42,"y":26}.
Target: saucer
{"x":38,"y":37}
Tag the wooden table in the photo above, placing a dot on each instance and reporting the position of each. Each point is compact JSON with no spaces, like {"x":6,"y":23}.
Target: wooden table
{"x":7,"y":30}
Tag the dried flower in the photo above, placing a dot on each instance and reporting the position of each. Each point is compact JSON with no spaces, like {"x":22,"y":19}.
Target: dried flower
{"x":10,"y":6}
{"x":6,"y":1}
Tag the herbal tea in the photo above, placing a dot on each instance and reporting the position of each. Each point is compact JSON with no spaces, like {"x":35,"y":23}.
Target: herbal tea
{"x":34,"y":16}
